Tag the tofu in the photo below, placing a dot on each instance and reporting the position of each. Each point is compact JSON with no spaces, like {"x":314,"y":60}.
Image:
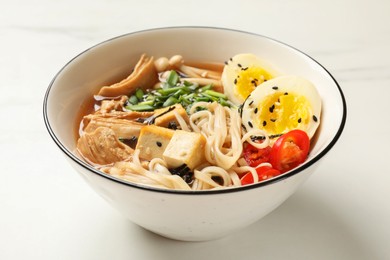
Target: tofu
{"x":152,"y":141}
{"x":168,"y":117}
{"x":185,"y":148}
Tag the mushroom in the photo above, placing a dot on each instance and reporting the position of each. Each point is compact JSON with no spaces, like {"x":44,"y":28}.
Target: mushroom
{"x":177,"y":62}
{"x":195,"y":75}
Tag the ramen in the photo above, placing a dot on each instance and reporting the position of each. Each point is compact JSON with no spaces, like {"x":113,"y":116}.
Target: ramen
{"x":173,"y":124}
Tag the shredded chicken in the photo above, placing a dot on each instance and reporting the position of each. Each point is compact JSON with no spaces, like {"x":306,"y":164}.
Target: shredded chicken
{"x":143,"y":76}
{"x":102,"y":147}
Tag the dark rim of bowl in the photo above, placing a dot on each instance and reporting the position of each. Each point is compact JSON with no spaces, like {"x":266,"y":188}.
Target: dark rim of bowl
{"x":282,"y":177}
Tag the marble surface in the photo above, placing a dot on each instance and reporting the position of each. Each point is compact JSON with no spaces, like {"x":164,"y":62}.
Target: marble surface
{"x":341,"y":212}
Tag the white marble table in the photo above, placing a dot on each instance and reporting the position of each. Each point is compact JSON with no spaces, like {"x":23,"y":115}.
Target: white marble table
{"x":341,"y":212}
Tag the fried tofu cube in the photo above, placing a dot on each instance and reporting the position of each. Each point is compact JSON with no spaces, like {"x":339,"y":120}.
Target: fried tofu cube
{"x":168,"y":115}
{"x":152,"y":141}
{"x":185,"y":148}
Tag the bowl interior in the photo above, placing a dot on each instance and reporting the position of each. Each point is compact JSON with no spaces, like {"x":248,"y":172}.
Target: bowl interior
{"x":113,"y":60}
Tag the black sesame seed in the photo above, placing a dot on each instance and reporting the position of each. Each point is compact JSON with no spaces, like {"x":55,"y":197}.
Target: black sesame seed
{"x":255,"y":138}
{"x":172,"y":125}
{"x":159,"y":144}
{"x":275,"y":87}
{"x":250,"y":124}
{"x":273,"y":120}
{"x":315,"y":118}
{"x":271,"y":109}
{"x":244,"y":68}
{"x":239,"y":65}
{"x":264,"y":123}
{"x":254,"y":82}
{"x":250,"y":103}
{"x":299,"y":120}
{"x":286,"y":93}
{"x":231,"y":59}
{"x":235,"y":81}
{"x":256,"y":110}
{"x":243,"y":127}
{"x":226,"y":63}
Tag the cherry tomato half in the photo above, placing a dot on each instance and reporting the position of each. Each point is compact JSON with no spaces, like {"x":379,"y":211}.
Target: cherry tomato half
{"x":264,"y":173}
{"x":290,"y":150}
{"x":254,"y":156}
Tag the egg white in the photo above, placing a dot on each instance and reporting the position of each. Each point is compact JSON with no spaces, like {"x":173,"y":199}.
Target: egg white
{"x":303,"y":96}
{"x":236,"y":66}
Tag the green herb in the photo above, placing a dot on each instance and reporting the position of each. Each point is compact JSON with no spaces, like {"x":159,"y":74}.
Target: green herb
{"x":140,"y":107}
{"x":133,"y":100}
{"x":174,"y":91}
{"x":173,"y":78}
{"x":139,"y":94}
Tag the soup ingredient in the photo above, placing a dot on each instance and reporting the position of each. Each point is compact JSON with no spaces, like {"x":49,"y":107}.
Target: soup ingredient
{"x":290,"y":150}
{"x":188,"y":135}
{"x":202,"y":76}
{"x":184,"y":172}
{"x":152,"y":141}
{"x":264,"y":172}
{"x":102,"y":147}
{"x":254,"y":156}
{"x":185,"y":148}
{"x":143,"y":76}
{"x":242,"y":74}
{"x":168,"y":119}
{"x":283,"y":104}
{"x":123,"y":128}
{"x":174,"y":91}
{"x":221,"y":127}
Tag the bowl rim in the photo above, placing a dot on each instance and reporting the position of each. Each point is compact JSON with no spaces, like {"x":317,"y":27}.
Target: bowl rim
{"x":279,"y":178}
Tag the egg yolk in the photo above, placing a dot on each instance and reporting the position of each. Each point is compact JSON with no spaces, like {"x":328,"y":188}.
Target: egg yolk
{"x":248,"y":78}
{"x":282,"y":112}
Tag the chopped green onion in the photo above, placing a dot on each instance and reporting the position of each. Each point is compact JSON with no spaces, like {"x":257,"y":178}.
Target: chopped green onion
{"x":207,"y":87}
{"x":170,"y":101}
{"x":202,"y":99}
{"x":173,"y":78}
{"x":140,"y":107}
{"x":167,"y":91}
{"x":147,"y":102}
{"x":173,"y":91}
{"x":139,"y":94}
{"x":223,"y":102}
{"x":133,"y":100}
{"x":210,"y":97}
{"x":215,"y":94}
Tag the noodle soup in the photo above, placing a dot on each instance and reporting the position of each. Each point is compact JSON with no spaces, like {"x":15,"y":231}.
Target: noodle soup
{"x":181,"y":125}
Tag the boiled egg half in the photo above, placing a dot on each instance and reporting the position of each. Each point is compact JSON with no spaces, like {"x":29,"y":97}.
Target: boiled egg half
{"x":283,"y":104}
{"x":242,"y":73}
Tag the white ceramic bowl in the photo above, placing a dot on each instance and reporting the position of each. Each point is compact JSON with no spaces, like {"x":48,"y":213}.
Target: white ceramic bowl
{"x":183,"y":215}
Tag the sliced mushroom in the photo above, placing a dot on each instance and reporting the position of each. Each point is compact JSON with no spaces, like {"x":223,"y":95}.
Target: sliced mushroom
{"x":143,"y":76}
